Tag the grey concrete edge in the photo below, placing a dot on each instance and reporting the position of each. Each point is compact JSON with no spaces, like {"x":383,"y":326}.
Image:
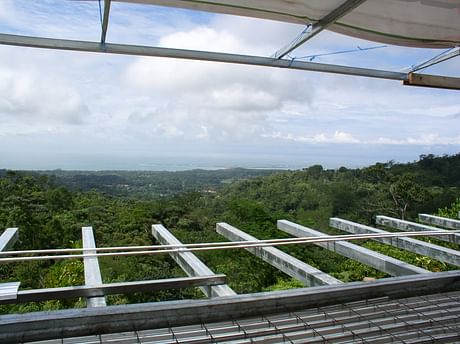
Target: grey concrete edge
{"x":80,"y":322}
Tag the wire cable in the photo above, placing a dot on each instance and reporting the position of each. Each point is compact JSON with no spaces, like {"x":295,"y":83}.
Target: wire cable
{"x":225,"y":245}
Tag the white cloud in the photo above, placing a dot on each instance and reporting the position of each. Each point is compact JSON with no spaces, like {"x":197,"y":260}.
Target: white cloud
{"x":344,"y":137}
{"x":166,"y":104}
{"x":336,"y":137}
{"x":35,"y":101}
{"x":231,"y":101}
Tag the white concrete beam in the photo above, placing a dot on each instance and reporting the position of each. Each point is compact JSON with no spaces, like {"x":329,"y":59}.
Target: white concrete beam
{"x":423,"y":248}
{"x":189,"y":262}
{"x":439,"y":221}
{"x":8,"y":238}
{"x":286,"y":263}
{"x":92,"y":272}
{"x":376,"y":260}
{"x":404,"y":225}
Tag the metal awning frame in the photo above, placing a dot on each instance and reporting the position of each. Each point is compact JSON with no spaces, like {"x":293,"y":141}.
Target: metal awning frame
{"x":408,"y":78}
{"x":321,"y":25}
{"x":138,"y":50}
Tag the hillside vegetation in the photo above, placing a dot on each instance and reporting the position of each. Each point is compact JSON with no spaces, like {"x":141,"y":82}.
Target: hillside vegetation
{"x":51,"y":209}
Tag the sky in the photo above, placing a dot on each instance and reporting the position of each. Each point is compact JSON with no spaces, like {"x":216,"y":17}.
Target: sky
{"x":74,"y":110}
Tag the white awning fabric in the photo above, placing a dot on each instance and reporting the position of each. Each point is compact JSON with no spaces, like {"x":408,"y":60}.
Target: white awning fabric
{"x":415,"y":23}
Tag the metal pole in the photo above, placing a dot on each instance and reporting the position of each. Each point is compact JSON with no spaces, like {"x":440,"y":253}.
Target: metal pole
{"x":125,"y":49}
{"x":321,"y":25}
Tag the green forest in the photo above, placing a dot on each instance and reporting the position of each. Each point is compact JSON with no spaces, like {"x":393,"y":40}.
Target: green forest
{"x":50,"y":207}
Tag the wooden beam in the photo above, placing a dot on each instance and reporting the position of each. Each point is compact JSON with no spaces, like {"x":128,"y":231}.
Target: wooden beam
{"x":434,"y":81}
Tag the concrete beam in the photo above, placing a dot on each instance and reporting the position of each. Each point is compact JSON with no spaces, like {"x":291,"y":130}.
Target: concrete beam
{"x":9,"y":291}
{"x":416,"y":227}
{"x":190,"y":263}
{"x":92,"y":272}
{"x":439,"y":221}
{"x":389,"y":265}
{"x":286,"y":263}
{"x":36,"y":326}
{"x":8,"y":238}
{"x":440,"y":253}
{"x":38,"y":295}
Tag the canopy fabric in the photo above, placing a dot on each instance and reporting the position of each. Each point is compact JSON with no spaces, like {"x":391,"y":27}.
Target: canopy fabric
{"x":415,"y":23}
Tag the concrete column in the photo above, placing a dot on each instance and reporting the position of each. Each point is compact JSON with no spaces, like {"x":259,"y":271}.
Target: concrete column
{"x":92,"y":272}
{"x":190,"y":263}
{"x":440,"y":253}
{"x":389,"y":265}
{"x":288,"y":264}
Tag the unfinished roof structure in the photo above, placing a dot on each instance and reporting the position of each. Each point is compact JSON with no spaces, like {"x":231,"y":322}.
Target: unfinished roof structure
{"x":413,"y":306}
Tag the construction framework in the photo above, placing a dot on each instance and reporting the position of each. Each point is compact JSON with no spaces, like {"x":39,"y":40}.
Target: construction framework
{"x":415,"y":306}
{"x":359,"y":310}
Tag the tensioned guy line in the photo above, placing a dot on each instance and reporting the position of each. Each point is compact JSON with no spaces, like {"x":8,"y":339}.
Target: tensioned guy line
{"x":161,"y":249}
